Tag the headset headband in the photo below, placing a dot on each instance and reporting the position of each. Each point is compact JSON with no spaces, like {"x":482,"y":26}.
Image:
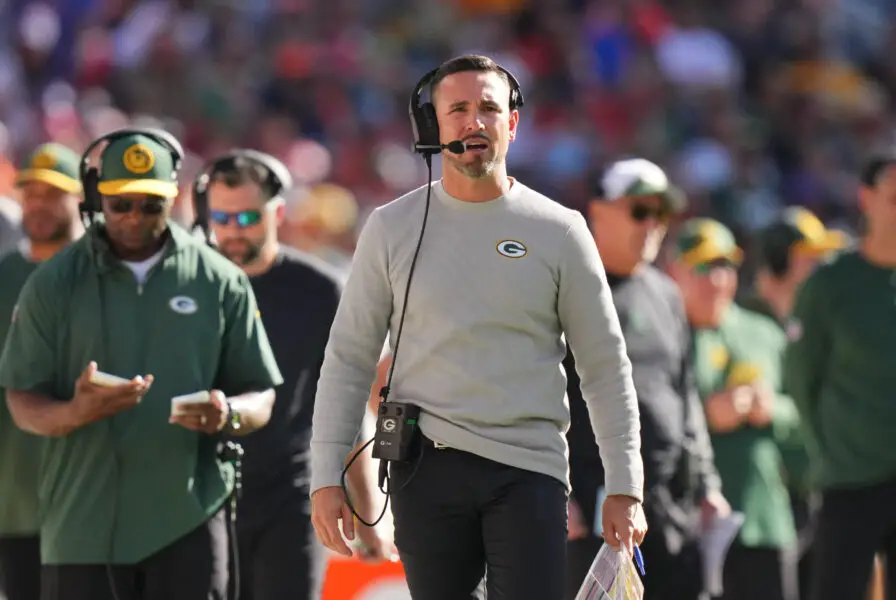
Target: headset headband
{"x":159,"y":135}
{"x":516,"y":100}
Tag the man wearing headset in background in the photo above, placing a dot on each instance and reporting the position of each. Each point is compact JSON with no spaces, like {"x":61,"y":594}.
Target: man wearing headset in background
{"x":132,"y":490}
{"x":297,"y":295}
{"x":503,"y":273}
{"x":50,"y":196}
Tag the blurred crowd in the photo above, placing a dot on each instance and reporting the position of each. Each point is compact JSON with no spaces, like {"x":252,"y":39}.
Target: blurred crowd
{"x":751,"y":105}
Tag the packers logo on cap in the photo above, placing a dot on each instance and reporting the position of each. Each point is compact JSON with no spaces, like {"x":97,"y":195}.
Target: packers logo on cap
{"x":43,"y":160}
{"x":138,"y":159}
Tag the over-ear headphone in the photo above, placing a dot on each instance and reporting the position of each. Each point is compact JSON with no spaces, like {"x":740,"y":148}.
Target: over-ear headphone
{"x":278,"y":180}
{"x":90,"y":176}
{"x":424,"y":123}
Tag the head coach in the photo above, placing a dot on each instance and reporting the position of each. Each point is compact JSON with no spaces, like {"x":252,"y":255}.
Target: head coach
{"x":131,"y":491}
{"x":477,"y":341}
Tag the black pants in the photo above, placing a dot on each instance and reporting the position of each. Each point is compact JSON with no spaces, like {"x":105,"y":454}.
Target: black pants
{"x":767,"y":573}
{"x":853,"y":526}
{"x":20,"y":568}
{"x":457,"y":514}
{"x":280,"y":557}
{"x":194,"y":567}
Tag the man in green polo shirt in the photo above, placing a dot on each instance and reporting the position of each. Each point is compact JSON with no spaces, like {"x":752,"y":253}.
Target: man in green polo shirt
{"x":131,"y":491}
{"x":738,"y":371}
{"x":841,"y":371}
{"x":788,"y":251}
{"x":50,"y":193}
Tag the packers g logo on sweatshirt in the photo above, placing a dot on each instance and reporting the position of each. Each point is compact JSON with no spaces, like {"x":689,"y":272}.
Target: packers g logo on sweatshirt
{"x":511,"y":249}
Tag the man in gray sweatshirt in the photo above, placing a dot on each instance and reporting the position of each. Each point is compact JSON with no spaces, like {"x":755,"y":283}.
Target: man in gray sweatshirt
{"x":503,"y":274}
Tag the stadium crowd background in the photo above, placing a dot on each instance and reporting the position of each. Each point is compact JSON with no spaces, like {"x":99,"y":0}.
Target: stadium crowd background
{"x":751,"y":105}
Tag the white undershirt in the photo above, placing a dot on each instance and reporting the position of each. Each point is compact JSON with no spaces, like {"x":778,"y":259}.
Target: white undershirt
{"x":141,"y":268}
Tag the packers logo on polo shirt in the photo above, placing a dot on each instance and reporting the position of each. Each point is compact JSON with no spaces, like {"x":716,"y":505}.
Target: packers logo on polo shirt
{"x":138,"y":159}
{"x":183,"y":305}
{"x":718,"y":356}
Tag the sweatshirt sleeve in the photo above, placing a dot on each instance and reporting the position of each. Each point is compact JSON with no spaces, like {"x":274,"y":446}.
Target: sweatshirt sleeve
{"x":350,"y":360}
{"x":591,"y":326}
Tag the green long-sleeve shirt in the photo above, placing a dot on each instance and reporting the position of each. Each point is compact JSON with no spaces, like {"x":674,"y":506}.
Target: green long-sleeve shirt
{"x":840,"y":368}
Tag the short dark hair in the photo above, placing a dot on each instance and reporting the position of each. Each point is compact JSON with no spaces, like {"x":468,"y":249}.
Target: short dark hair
{"x":876,"y":164}
{"x":237,"y":171}
{"x":471,"y":62}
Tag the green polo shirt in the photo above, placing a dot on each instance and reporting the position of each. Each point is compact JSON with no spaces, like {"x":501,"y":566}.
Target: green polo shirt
{"x":120,"y":489}
{"x":19,"y":451}
{"x":794,"y":449}
{"x":748,"y":347}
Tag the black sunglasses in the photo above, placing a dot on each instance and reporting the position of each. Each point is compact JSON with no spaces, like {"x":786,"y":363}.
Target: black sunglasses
{"x":147,"y":206}
{"x":642,"y":212}
{"x":243,"y":218}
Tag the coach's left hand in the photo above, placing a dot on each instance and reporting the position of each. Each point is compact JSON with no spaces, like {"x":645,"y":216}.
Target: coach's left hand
{"x":624,"y":523}
{"x":209,"y":417}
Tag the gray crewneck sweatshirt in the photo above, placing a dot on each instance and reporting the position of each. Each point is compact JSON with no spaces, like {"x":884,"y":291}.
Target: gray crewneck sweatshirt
{"x":496,"y":287}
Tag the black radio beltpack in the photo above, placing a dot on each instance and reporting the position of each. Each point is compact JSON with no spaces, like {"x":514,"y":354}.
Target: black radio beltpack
{"x":397,"y":437}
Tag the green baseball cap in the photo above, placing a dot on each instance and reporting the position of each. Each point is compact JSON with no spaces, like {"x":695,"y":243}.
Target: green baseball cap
{"x":798,"y":229}
{"x":702,"y":241}
{"x":638,"y":177}
{"x":137,"y":164}
{"x":53,"y":164}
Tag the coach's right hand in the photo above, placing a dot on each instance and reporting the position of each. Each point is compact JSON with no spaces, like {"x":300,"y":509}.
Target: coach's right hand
{"x":328,"y":508}
{"x":93,"y":402}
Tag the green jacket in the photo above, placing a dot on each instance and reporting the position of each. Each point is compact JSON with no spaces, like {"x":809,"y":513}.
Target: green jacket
{"x":120,"y":489}
{"x":841,"y":370}
{"x":19,"y":451}
{"x":747,"y":347}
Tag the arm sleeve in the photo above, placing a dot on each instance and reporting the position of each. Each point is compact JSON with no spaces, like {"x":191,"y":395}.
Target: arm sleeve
{"x":247,"y":362}
{"x":351,"y":357}
{"x":28,"y":362}
{"x":696,"y":430}
{"x":591,"y":325}
{"x":807,"y":349}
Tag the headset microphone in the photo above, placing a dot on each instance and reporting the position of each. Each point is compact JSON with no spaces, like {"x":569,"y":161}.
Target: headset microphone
{"x":457,"y":147}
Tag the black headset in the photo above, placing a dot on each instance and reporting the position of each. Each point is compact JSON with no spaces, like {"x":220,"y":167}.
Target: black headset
{"x":278,"y":180}
{"x":90,"y":176}
{"x":424,"y":123}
